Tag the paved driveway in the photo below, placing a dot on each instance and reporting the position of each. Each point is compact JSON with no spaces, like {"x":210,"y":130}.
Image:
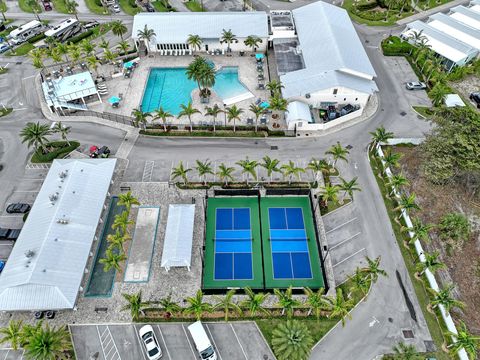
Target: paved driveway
{"x":233,"y":341}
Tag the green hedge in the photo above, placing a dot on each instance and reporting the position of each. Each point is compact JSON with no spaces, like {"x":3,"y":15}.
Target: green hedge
{"x":394,"y":46}
{"x":60,"y":149}
{"x":366,"y":6}
{"x":36,"y":38}
{"x":80,"y":37}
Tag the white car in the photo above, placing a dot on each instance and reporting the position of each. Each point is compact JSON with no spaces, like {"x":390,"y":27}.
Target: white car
{"x":116,"y":8}
{"x":150,"y":342}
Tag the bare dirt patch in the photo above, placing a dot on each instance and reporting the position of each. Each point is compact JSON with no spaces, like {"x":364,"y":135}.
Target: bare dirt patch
{"x":436,"y":201}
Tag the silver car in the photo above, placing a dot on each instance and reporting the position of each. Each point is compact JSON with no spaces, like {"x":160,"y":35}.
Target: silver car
{"x":416,"y":85}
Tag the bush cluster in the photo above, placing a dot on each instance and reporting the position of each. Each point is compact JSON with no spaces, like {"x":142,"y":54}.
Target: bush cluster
{"x":394,"y":46}
{"x":80,"y":37}
{"x":59,"y":148}
{"x":36,"y":38}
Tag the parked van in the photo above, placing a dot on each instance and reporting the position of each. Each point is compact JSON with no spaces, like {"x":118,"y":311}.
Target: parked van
{"x":202,"y":342}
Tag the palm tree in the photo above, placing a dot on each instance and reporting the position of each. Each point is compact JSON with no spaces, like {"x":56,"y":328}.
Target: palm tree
{"x":291,"y":170}
{"x":180,"y":172}
{"x":275,"y":86}
{"x":12,"y":333}
{"x":74,"y":52}
{"x":431,"y":263}
{"x":286,"y":301}
{"x":3,"y":9}
{"x":420,"y":231}
{"x":140,"y":117}
{"x":146,"y":35}
{"x":104,"y":44}
{"x":55,"y":55}
{"x":204,"y":168}
{"x":257,"y":110}
{"x":109,"y":56}
{"x":233,"y":113}
{"x":248,"y":168}
{"x":405,"y":352}
{"x":119,"y":29}
{"x":195,"y":68}
{"x":225,"y":173}
{"x":63,"y":130}
{"x":317,"y":167}
{"x":93,"y":62}
{"x":329,"y":193}
{"x":226,"y":304}
{"x":465,"y":340}
{"x":348,"y":187}
{"x":397,"y":181}
{"x":62,"y":48}
{"x":391,"y":159}
{"x":438,"y":93}
{"x":135,"y":304}
{"x":254,"y":302}
{"x":162,"y":115}
{"x":271,"y":165}
{"x":71,"y":6}
{"x":339,"y":307}
{"x":48,"y":343}
{"x":444,"y":297}
{"x":87,"y":47}
{"x":112,"y":260}
{"x":168,"y":306}
{"x":360,"y":282}
{"x":122,"y":222}
{"x":36,"y":9}
{"x":35,"y":134}
{"x":373,"y":268}
{"x":188,"y":111}
{"x":127,"y":200}
{"x":194,"y":41}
{"x":123,"y":46}
{"x":381,"y":136}
{"x":37,"y":56}
{"x":196,"y":306}
{"x":338,"y":152}
{"x":407,"y":203}
{"x":277,"y":103}
{"x":213,"y":112}
{"x":253,"y":41}
{"x":417,"y":36}
{"x":228,"y":37}
{"x":116,"y":240}
{"x":206,"y":79}
{"x":292,"y":340}
{"x":316,"y":301}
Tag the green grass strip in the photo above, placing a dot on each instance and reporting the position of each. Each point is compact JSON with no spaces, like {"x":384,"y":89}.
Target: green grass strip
{"x":128,"y":8}
{"x":60,"y":6}
{"x":23,"y":49}
{"x":194,"y":6}
{"x":96,"y":7}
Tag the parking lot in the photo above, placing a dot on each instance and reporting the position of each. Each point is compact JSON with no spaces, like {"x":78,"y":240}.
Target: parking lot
{"x":9,"y":354}
{"x":232,"y":341}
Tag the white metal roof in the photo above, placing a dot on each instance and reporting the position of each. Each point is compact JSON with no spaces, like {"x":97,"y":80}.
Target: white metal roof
{"x":466,"y":20}
{"x":456,"y":33}
{"x":298,"y":111}
{"x":50,"y":278}
{"x":175,"y":27}
{"x":177,"y":247}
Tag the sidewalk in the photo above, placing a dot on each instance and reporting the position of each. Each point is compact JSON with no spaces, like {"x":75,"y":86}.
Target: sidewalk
{"x":179,"y":5}
{"x":425,"y":14}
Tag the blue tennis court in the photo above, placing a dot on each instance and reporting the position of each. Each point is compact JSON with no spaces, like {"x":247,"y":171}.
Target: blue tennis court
{"x":233,"y":244}
{"x":288,"y":241}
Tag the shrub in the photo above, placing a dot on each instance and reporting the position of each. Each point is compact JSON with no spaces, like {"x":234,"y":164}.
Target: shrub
{"x":80,"y":37}
{"x":394,"y":46}
{"x":59,"y":149}
{"x":36,"y":38}
{"x":366,"y":6}
{"x":454,"y":229}
{"x":132,"y":3}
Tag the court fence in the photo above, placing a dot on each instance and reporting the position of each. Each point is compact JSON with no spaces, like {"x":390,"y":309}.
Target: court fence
{"x":297,"y":192}
{"x":121,"y":119}
{"x":236,"y":192}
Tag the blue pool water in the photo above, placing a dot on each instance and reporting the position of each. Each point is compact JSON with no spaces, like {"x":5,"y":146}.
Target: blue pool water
{"x":170,"y":87}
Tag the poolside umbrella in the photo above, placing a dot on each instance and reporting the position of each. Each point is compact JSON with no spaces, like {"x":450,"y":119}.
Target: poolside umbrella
{"x":259,"y":56}
{"x":128,"y":65}
{"x":264,"y":104}
{"x":93,"y":148}
{"x":114,"y":100}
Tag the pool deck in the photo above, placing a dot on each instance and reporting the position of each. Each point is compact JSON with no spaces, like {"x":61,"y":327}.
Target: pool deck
{"x":133,"y":88}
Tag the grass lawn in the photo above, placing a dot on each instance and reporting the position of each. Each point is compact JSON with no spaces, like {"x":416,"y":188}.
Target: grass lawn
{"x":334,"y":205}
{"x":425,"y":111}
{"x":391,"y":20}
{"x":60,"y":6}
{"x":58,"y":150}
{"x":5,"y":111}
{"x":158,"y":5}
{"x":21,"y":50}
{"x":3,"y":70}
{"x":128,"y":8}
{"x":24,"y":6}
{"x":193,"y":5}
{"x":96,"y":7}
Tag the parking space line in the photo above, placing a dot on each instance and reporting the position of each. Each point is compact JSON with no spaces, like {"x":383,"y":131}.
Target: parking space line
{"x":189,"y":343}
{"x":214,"y":344}
{"x":6,"y":354}
{"x":164,"y":342}
{"x":339,"y":226}
{"x":238,"y":340}
{"x":139,"y":342}
{"x":348,"y":257}
{"x":100,"y":338}
{"x":115,"y":345}
{"x":344,"y":241}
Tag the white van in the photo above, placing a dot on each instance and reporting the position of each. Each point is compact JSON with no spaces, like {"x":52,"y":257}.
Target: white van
{"x":202,"y":342}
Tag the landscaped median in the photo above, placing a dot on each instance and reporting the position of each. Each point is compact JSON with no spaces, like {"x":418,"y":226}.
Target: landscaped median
{"x":209,"y":131}
{"x":5,"y":111}
{"x":54,"y":150}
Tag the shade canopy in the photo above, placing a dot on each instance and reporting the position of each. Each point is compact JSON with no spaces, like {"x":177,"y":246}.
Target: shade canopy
{"x":128,"y":64}
{"x":177,"y":247}
{"x":114,"y":100}
{"x":265,"y":104}
{"x":259,"y":56}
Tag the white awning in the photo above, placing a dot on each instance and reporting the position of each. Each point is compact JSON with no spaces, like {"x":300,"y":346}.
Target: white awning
{"x":297,"y":111}
{"x":452,"y":100}
{"x":177,"y":246}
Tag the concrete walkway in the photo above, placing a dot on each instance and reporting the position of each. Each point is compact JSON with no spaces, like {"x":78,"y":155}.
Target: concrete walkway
{"x":178,"y":5}
{"x":425,"y":14}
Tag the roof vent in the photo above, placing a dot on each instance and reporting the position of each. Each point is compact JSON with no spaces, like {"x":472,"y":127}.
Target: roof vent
{"x":56,"y":239}
{"x":44,"y":270}
{"x":63,"y":221}
{"x":53,"y":197}
{"x":29,"y":254}
{"x":63,"y":174}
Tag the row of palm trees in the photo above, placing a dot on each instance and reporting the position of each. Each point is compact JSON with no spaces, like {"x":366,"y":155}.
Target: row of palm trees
{"x":228,"y":37}
{"x":36,"y":135}
{"x":115,"y":253}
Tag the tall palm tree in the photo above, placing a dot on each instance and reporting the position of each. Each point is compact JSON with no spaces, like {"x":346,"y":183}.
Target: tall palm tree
{"x":228,"y":37}
{"x":277,"y":103}
{"x":317,"y":167}
{"x":420,"y":230}
{"x":257,"y":110}
{"x":127,"y":200}
{"x":207,"y":76}
{"x":465,"y":340}
{"x":62,"y":48}
{"x":275,"y":86}
{"x":444,"y":297}
{"x":271,"y":165}
{"x":233,"y":113}
{"x":286,"y":301}
{"x":195,"y":68}
{"x":407,"y":203}
{"x":348,"y":187}
{"x":37,"y":56}
{"x":104,"y":44}
{"x":48,"y":343}
{"x":225,"y":173}
{"x":146,"y":35}
{"x":291,"y":340}
{"x":290,"y":170}
{"x":226,"y":304}
{"x":338,"y":152}
{"x":122,"y":222}
{"x":134,"y":304}
{"x":253,"y":42}
{"x":72,"y":6}
{"x":123,"y":46}
{"x":438,"y":93}
{"x":316,"y":301}
{"x":360,"y":281}
{"x":74,"y":52}
{"x":180,"y":172}
{"x":119,"y":29}
{"x":3,"y":9}
{"x":113,"y":260}
{"x":162,"y":115}
{"x":194,"y":41}
{"x":109,"y":56}
{"x":35,"y":134}
{"x":35,"y":7}
{"x":140,"y":117}
{"x":373,"y":268}
{"x":213,"y":112}
{"x":55,"y":55}
{"x":168,"y":306}
{"x":92,"y":63}
{"x":87,"y":47}
{"x":431,"y":263}
{"x":397,"y":181}
{"x":12,"y":334}
{"x":197,"y":306}
{"x":405,"y":352}
{"x":204,"y":168}
{"x":63,"y":130}
{"x":116,"y":240}
{"x":381,"y":136}
{"x":391,"y":159}
{"x":329,"y":193}
{"x":254,"y":302}
{"x":339,"y":307}
{"x":248,"y":168}
{"x":188,"y":111}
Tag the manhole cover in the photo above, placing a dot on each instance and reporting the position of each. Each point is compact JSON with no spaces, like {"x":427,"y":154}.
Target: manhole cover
{"x":273,"y":147}
{"x":407,"y":334}
{"x":403,"y":113}
{"x":390,"y":320}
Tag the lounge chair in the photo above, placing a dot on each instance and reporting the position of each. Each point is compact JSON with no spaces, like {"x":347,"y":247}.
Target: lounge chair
{"x":258,"y":101}
{"x":101,"y":86}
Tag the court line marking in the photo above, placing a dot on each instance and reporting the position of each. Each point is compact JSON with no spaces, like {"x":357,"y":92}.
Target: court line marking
{"x":189,"y":343}
{"x":164,"y":342}
{"x":355,"y":253}
{"x":214,"y":343}
{"x":142,"y":350}
{"x":238,"y":340}
{"x":344,"y":241}
{"x":339,"y":226}
{"x":100,"y":338}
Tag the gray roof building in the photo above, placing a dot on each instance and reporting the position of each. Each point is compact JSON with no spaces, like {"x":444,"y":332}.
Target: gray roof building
{"x":46,"y":267}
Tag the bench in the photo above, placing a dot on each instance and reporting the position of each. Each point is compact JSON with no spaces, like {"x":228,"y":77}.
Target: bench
{"x":101,"y":309}
{"x":124,"y":188}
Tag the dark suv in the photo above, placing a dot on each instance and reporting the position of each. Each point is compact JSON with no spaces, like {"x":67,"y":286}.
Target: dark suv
{"x":475,"y":97}
{"x":18,"y":208}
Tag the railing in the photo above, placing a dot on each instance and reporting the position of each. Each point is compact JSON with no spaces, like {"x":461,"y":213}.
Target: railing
{"x":121,"y":119}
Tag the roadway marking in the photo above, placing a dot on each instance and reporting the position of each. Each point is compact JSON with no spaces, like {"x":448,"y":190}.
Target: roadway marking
{"x":373,"y":322}
{"x":142,"y":347}
{"x":107,"y":341}
{"x":28,"y":77}
{"x":213,"y":340}
{"x":344,"y":241}
{"x":148,"y":171}
{"x":348,"y":257}
{"x":189,"y":343}
{"x":20,"y":109}
{"x":100,"y":338}
{"x":238,"y":340}
{"x":6,"y":355}
{"x":164,"y":342}
{"x":339,"y":226}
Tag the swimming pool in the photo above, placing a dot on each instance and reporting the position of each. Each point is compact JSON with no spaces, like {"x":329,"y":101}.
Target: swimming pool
{"x":170,"y":87}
